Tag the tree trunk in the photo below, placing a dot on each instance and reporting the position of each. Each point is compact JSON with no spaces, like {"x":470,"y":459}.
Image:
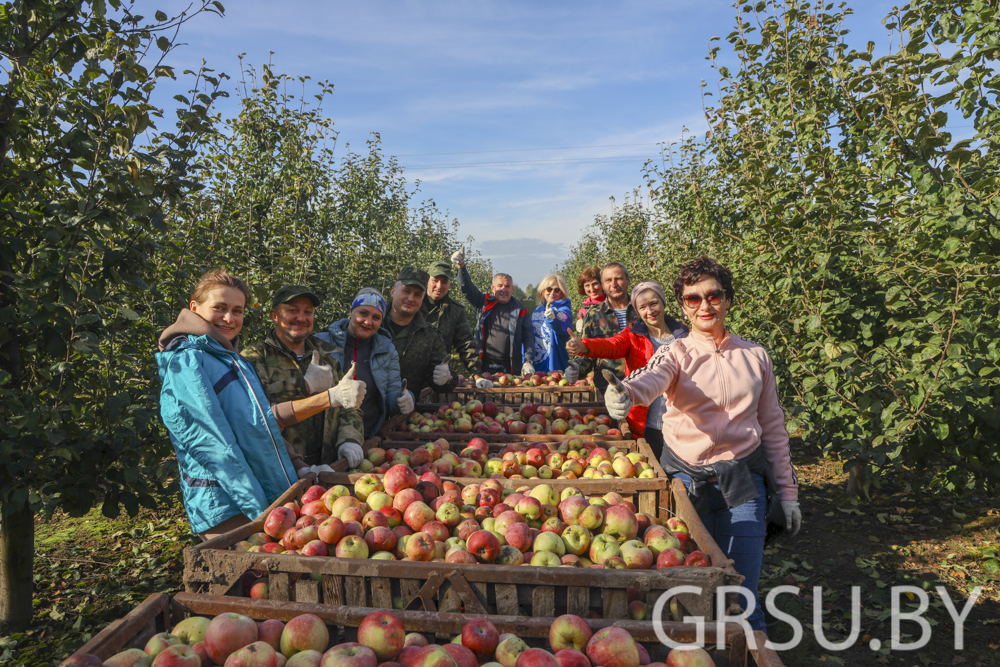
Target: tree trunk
{"x":857,"y":478}
{"x":17,"y":555}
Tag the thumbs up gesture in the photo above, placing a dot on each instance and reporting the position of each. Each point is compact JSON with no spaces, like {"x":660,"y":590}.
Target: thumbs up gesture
{"x":318,"y":377}
{"x":349,"y":393}
{"x":616,"y":397}
{"x":458,"y":258}
{"x":575,"y":346}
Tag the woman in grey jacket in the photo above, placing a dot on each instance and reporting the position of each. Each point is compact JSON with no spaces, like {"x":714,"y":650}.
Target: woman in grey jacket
{"x":359,"y":339}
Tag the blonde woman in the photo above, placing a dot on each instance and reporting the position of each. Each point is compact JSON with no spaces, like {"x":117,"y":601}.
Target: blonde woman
{"x":551,"y":322}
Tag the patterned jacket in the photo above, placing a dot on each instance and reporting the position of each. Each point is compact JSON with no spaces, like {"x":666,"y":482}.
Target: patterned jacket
{"x":601,"y":322}
{"x":450,"y":320}
{"x":420,"y":348}
{"x":318,"y":437}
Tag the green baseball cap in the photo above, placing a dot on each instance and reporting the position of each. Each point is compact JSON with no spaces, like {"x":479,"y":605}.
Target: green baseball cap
{"x":410,"y":275}
{"x":289,"y":292}
{"x":440,"y":268}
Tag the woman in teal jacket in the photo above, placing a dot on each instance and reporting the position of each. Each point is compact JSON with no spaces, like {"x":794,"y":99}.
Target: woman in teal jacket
{"x":232,"y":459}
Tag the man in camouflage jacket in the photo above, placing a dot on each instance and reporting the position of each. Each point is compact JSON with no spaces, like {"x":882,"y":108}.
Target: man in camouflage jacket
{"x":449,"y":318}
{"x":601,"y":321}
{"x":423,"y":358}
{"x":317,"y":439}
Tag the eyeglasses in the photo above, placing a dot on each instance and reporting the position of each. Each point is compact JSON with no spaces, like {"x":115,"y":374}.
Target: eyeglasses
{"x":694,"y":300}
{"x":553,"y":289}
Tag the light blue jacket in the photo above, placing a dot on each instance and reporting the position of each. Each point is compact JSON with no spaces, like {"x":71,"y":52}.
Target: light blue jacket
{"x":384,"y":361}
{"x":230,"y":453}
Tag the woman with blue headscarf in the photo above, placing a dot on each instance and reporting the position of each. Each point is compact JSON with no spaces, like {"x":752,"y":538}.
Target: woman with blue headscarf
{"x":552,"y":321}
{"x":360,"y":339}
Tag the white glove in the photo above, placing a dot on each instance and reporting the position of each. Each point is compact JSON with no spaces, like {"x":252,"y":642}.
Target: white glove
{"x":527,"y":369}
{"x":322,"y":468}
{"x":458,"y":257}
{"x":579,"y":326}
{"x":353,"y":453}
{"x":550,"y":313}
{"x":405,"y":402}
{"x":318,"y":377}
{"x":349,"y":393}
{"x":302,"y":472}
{"x":616,"y":397}
{"x":572,"y":372}
{"x":793,"y":516}
{"x":483,"y":383}
{"x":442,"y":373}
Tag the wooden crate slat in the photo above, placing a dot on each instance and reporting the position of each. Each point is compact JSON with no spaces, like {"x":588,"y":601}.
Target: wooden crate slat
{"x":279,"y":586}
{"x":152,"y":614}
{"x":543,"y":601}
{"x":381,"y":592}
{"x":578,"y":601}
{"x":355,"y":591}
{"x":506,"y":599}
{"x":333,"y":589}
{"x":615,"y":603}
{"x":307,"y":590}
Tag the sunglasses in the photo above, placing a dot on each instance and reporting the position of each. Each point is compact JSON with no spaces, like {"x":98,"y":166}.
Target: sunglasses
{"x":553,"y":289}
{"x":694,"y":300}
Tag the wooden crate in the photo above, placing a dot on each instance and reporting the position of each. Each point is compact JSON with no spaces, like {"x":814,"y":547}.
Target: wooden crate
{"x":511,"y":395}
{"x":213,"y":568}
{"x":159,"y":613}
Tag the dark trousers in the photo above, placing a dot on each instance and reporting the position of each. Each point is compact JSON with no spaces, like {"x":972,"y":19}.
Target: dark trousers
{"x":654,"y":438}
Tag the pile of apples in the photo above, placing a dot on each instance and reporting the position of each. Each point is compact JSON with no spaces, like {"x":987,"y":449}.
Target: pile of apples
{"x":530,"y":418}
{"x":234,"y":640}
{"x":569,"y":459}
{"x":403,"y":517}
{"x":537,"y":379}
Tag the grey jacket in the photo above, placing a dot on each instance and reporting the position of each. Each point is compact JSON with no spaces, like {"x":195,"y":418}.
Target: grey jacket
{"x":384,"y":362}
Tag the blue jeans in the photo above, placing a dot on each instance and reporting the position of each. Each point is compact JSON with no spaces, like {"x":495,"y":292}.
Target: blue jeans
{"x":739,"y":532}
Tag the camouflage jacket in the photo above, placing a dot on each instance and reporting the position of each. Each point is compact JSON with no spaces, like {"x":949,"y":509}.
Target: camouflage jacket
{"x":316,"y":439}
{"x":451,"y":321}
{"x":420,"y":348}
{"x":601,"y":322}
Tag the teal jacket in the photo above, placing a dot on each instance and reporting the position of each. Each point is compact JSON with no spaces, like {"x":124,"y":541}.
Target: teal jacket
{"x":230,"y":453}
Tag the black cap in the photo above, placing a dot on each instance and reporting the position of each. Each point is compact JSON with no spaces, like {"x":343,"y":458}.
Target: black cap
{"x":289,"y":292}
{"x":410,"y":275}
{"x":440,"y":268}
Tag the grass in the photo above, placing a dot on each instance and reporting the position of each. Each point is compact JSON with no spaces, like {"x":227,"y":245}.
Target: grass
{"x":92,"y":570}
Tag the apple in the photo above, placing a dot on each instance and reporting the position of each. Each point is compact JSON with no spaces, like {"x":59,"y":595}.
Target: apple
{"x":660,"y":541}
{"x":462,"y":655}
{"x":613,"y":647}
{"x":545,"y":559}
{"x":484,"y":545}
{"x":417,"y":514}
{"x":571,"y":658}
{"x":352,"y":546}
{"x":350,"y":654}
{"x":192,"y":630}
{"x":270,"y":631}
{"x":549,"y":542}
{"x":383,"y":633}
{"x":279,"y":521}
{"x":124,"y":658}
{"x":689,"y":656}
{"x":545,"y":494}
{"x":181,"y":655}
{"x":420,"y":547}
{"x":414,"y":639}
{"x":228,"y":633}
{"x":698,"y":559}
{"x":636,"y":555}
{"x":374,"y":519}
{"x":529,"y":507}
{"x":367,"y":485}
{"x":160,"y":642}
{"x":576,"y":540}
{"x":677,"y":525}
{"x":570,"y":509}
{"x":602,"y":548}
{"x":670,"y":558}
{"x":431,"y":656}
{"x":480,"y":636}
{"x":303,"y":633}
{"x":460,"y":555}
{"x":509,"y":555}
{"x":304,"y":659}
{"x":591,"y":518}
{"x":536,"y":657}
{"x":399,"y":477}
{"x":509,"y":649}
{"x":569,"y":632}
{"x":257,"y":654}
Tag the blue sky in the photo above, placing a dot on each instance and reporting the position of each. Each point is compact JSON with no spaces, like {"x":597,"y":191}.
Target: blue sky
{"x":575,"y":94}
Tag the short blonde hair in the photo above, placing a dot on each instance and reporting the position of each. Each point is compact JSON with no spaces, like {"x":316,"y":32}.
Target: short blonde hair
{"x":549,"y":281}
{"x":218,"y":278}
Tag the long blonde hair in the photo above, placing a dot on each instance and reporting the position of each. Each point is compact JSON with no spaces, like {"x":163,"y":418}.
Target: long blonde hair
{"x":548,"y":281}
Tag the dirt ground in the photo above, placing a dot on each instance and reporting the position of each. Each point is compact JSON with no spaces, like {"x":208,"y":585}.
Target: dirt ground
{"x":92,"y":570}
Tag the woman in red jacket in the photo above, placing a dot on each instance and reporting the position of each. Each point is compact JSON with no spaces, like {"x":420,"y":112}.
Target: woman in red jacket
{"x":636,"y":345}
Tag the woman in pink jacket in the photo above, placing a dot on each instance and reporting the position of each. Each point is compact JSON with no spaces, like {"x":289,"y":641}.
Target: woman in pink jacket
{"x":723,"y":429}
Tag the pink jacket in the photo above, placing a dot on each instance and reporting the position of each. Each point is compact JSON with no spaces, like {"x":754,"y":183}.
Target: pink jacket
{"x":721,"y":403}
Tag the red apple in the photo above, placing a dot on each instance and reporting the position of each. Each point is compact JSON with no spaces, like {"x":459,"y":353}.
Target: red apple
{"x":399,"y":477}
{"x":383,"y":633}
{"x":484,"y":545}
{"x":350,"y":654}
{"x":569,"y":632}
{"x":303,"y":633}
{"x":420,"y":546}
{"x":536,"y":657}
{"x":571,"y":658}
{"x":257,"y":654}
{"x":613,"y":647}
{"x":480,"y":636}
{"x":228,"y":633}
{"x":432,"y":656}
{"x":279,"y":521}
{"x":698,"y":559}
{"x":683,"y":656}
{"x":181,"y":655}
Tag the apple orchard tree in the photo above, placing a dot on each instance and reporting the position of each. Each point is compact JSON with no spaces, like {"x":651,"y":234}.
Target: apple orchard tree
{"x":80,"y":200}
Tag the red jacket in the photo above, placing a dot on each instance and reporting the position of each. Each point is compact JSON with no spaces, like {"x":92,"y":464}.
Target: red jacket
{"x":632,"y":345}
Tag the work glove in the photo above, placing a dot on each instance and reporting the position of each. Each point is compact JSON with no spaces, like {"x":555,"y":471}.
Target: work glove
{"x":353,"y":453}
{"x":527,"y":369}
{"x":572,"y":372}
{"x":550,"y":313}
{"x":576,"y":347}
{"x":302,"y":472}
{"x":458,"y":257}
{"x":483,"y":383}
{"x":322,"y":468}
{"x":579,"y":326}
{"x":349,"y":393}
{"x":793,"y":515}
{"x":442,"y":373}
{"x":318,"y":377}
{"x":616,"y":397}
{"x":405,"y":402}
